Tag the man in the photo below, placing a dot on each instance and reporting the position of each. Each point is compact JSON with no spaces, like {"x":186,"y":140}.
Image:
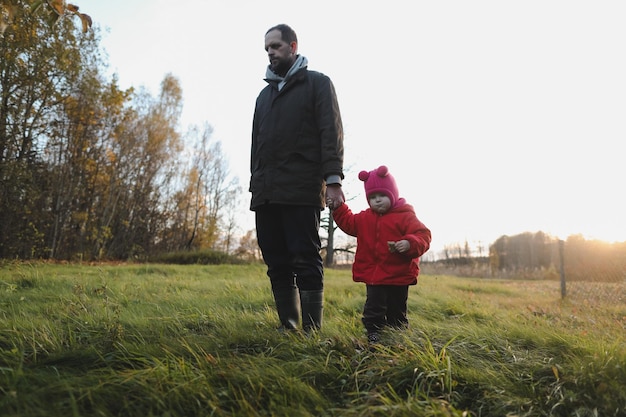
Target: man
{"x":296,"y":165}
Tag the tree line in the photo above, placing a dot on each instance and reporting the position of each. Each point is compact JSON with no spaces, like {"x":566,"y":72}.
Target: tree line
{"x":536,"y":256}
{"x":92,"y":171}
{"x":581,"y":259}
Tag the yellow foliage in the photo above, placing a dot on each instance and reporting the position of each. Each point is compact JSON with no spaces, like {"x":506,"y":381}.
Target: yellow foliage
{"x":58,"y":6}
{"x":85,"y":20}
{"x":59,"y":9}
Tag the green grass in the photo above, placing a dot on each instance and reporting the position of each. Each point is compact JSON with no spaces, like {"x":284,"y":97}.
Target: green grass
{"x":201,"y":340}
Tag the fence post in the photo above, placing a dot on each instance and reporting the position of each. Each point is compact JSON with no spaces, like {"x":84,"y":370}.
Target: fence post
{"x":561,"y":252}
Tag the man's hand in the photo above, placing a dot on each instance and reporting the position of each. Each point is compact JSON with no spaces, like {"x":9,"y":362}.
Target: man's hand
{"x":334,"y":196}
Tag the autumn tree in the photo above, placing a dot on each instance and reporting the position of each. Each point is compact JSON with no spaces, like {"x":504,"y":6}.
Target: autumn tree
{"x":90,"y":171}
{"x":51,"y":11}
{"x":147,"y":147}
{"x":39,"y":66}
{"x":248,"y":248}
{"x":84,"y":165}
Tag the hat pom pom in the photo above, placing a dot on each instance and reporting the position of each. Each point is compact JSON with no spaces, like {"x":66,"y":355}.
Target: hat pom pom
{"x":382,"y":171}
{"x":364,"y":175}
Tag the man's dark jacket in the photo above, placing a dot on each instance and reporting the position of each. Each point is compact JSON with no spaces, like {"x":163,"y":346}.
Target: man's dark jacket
{"x":297,"y":141}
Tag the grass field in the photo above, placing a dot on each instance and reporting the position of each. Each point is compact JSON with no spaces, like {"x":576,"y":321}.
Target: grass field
{"x":161,"y":340}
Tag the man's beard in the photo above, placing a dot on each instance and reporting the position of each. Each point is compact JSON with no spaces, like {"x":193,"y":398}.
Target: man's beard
{"x":280,"y":68}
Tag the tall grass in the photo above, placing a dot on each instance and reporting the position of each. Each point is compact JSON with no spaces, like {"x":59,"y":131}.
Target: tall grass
{"x":158,"y":340}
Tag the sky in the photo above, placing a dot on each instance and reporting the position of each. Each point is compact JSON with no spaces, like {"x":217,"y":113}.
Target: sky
{"x":495,"y":117}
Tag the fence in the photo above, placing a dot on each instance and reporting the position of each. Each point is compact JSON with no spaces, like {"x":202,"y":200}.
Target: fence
{"x":585,"y":271}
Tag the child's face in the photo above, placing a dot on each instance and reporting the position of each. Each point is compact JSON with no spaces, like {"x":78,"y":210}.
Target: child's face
{"x":379,"y":202}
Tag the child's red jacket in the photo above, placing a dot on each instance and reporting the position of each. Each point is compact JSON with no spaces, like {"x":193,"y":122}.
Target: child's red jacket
{"x":373,"y":263}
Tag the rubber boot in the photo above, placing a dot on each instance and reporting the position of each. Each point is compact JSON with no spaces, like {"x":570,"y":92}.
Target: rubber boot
{"x":288,"y":307}
{"x":312,"y":303}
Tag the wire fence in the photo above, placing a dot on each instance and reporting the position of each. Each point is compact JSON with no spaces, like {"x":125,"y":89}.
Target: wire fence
{"x":583,"y":271}
{"x":595,"y":290}
{"x":593,"y":278}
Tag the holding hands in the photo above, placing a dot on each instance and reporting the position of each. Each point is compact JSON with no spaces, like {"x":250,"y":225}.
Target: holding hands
{"x":334,"y":196}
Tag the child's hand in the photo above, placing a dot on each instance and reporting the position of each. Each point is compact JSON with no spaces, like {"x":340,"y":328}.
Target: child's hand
{"x":400,"y":246}
{"x":332,"y":205}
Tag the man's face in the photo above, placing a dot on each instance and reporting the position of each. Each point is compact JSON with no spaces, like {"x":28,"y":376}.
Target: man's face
{"x":281,"y":54}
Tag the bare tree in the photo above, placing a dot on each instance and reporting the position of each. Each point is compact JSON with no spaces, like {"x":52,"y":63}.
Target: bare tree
{"x":209,"y":196}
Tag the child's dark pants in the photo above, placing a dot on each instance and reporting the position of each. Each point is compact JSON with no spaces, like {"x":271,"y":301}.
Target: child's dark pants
{"x":386,"y":305}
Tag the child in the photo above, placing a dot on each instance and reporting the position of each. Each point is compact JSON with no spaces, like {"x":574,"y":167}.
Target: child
{"x":390,"y":240}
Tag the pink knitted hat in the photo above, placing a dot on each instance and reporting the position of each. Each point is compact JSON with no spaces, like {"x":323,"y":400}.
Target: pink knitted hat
{"x":380,"y":180}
